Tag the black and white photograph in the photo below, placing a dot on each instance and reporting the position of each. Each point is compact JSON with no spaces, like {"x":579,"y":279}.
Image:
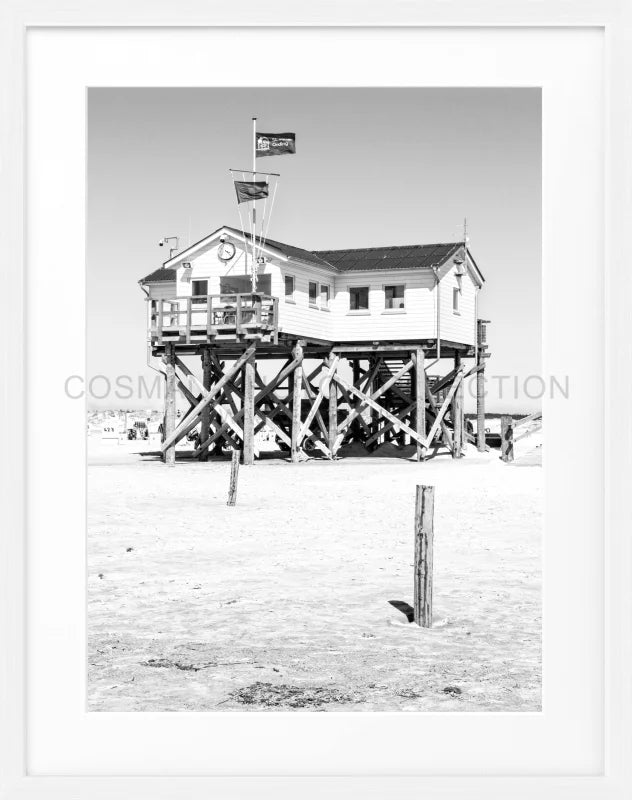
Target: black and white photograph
{"x":314,"y":399}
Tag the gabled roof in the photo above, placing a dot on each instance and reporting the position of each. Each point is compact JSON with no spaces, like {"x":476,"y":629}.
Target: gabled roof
{"x":414,"y":256}
{"x":289,"y":250}
{"x":365,"y":259}
{"x":275,"y":248}
{"x":159,"y":275}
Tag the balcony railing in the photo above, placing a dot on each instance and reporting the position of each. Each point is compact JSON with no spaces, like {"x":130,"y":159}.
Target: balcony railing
{"x":204,"y":318}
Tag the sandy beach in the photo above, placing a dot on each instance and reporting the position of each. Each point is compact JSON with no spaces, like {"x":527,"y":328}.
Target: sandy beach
{"x":282,"y":602}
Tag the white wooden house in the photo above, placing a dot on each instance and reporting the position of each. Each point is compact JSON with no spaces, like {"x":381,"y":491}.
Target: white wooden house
{"x":408,"y":294}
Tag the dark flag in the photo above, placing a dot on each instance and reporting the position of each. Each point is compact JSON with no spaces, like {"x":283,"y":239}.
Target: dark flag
{"x":250,"y":190}
{"x":275,"y":144}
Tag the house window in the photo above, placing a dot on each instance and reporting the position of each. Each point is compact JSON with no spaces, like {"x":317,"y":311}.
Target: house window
{"x":199,"y":290}
{"x":313,"y":293}
{"x":324,"y":296}
{"x":289,"y":288}
{"x":359,"y":298}
{"x":242,"y":284}
{"x":456,"y":296}
{"x":394,"y":296}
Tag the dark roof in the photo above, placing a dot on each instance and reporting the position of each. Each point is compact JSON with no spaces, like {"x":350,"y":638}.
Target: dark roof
{"x":159,"y":275}
{"x":416,"y":256}
{"x":290,"y":251}
{"x":401,"y":257}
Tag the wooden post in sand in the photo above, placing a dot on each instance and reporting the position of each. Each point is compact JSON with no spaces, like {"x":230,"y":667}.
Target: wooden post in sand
{"x":506,"y":438}
{"x":234,"y":475}
{"x":424,"y":535}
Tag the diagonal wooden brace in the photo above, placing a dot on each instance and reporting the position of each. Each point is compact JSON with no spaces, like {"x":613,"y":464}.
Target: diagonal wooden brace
{"x":259,"y":397}
{"x":444,"y":408}
{"x":380,"y":409}
{"x":217,"y":408}
{"x":352,"y":406}
{"x":377,"y":393}
{"x":447,"y":436}
{"x":316,"y":402}
{"x":385,"y":428}
{"x":185,"y":426}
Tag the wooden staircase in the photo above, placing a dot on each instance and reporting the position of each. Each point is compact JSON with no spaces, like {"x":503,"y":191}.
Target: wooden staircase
{"x":403,"y":386}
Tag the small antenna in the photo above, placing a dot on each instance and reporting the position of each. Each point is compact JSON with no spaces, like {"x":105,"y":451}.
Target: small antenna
{"x":166,"y":239}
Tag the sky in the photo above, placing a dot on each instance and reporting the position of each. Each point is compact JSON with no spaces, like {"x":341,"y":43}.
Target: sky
{"x":385,"y":166}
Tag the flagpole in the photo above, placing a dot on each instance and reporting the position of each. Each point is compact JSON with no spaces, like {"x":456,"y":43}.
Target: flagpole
{"x":253,"y":276}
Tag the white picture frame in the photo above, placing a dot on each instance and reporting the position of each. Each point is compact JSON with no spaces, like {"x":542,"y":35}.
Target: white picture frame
{"x":613,"y":21}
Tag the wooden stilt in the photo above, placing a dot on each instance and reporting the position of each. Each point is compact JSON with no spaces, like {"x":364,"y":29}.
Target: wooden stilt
{"x":389,"y":400}
{"x":480,"y":387}
{"x":457,"y":414}
{"x":370,"y":389}
{"x":424,"y":535}
{"x":333,"y":411}
{"x":356,"y":427}
{"x":207,"y":378}
{"x":480,"y":407}
{"x":169,"y":361}
{"x":418,"y":357}
{"x":297,"y":396}
{"x":355,"y":367}
{"x":249,"y":410}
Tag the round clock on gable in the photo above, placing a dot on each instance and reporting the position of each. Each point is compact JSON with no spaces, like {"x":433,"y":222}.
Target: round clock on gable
{"x":226,"y":251}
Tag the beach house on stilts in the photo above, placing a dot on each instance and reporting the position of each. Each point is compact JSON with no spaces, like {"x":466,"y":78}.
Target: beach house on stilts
{"x":386,"y":311}
{"x":353,"y":331}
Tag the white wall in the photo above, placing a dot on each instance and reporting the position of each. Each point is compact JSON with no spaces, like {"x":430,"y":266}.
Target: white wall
{"x":208,"y":266}
{"x":162,"y":290}
{"x":417,"y":320}
{"x":339,"y":323}
{"x":459,"y":327}
{"x":299,"y":317}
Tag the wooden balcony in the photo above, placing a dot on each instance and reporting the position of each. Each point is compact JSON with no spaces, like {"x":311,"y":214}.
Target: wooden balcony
{"x":215,"y":318}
